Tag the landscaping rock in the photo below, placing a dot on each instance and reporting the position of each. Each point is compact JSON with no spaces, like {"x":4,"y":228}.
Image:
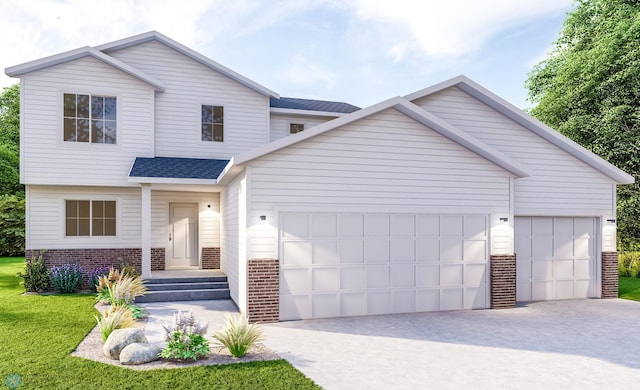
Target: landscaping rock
{"x":120,"y":338}
{"x":139,"y":353}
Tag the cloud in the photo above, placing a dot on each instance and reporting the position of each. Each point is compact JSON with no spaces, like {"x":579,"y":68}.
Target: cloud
{"x":304,"y":71}
{"x":445,"y":29}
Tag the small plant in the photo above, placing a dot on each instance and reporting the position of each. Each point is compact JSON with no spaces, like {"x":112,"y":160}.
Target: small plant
{"x":124,"y":290}
{"x":136,"y":311}
{"x":112,"y":319}
{"x":94,"y":277}
{"x":67,"y":278}
{"x":36,"y":276}
{"x":185,"y":338}
{"x":104,"y":283}
{"x":127,"y":269}
{"x":239,"y":335}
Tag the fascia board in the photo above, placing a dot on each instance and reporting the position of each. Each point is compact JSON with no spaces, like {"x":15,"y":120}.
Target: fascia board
{"x":293,"y":111}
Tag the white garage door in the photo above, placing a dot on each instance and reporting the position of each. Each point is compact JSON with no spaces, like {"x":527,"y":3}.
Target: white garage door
{"x":348,"y":264}
{"x":555,"y":258}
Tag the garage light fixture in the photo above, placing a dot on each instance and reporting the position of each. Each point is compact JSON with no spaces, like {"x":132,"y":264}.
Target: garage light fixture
{"x":504,"y":219}
{"x":263,"y":217}
{"x":611,"y":220}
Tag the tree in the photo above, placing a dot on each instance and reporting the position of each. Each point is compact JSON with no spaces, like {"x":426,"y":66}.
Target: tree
{"x":12,"y":211}
{"x":588,"y":88}
{"x":10,"y":141}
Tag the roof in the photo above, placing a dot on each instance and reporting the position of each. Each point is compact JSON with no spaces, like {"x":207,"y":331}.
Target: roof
{"x":82,"y":52}
{"x":177,"y":168}
{"x":413,"y":111}
{"x":312,"y":105}
{"x":156,"y":36}
{"x":517,"y":115}
{"x":101,"y":53}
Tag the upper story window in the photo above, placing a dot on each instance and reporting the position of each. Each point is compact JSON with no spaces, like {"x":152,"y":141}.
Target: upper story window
{"x":212,"y":123}
{"x":296,"y":127}
{"x":89,"y":118}
{"x":90,"y":218}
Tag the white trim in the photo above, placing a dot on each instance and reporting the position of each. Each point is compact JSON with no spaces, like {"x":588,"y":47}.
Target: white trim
{"x":18,"y":70}
{"x":279,"y":110}
{"x":154,"y":35}
{"x":145,"y":225}
{"x":169,"y":180}
{"x":517,"y":115}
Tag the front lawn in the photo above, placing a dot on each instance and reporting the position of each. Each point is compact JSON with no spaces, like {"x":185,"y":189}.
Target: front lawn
{"x":38,"y":333}
{"x":629,"y":288}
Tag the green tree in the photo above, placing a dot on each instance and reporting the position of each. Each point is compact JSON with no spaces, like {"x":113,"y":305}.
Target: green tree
{"x":588,"y":88}
{"x":12,"y":211}
{"x":10,"y":116}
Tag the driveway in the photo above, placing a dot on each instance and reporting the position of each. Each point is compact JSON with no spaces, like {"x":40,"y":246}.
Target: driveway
{"x":581,"y":344}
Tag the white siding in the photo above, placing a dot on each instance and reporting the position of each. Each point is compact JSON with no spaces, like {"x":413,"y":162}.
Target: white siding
{"x":48,"y":160}
{"x":46,"y":215}
{"x":190,"y":84}
{"x":208,"y":218}
{"x":279,"y":127}
{"x":561,"y":185}
{"x":233,"y":253}
{"x":383,"y":163}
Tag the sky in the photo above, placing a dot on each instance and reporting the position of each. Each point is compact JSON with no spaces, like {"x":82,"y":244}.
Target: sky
{"x":357,"y":51}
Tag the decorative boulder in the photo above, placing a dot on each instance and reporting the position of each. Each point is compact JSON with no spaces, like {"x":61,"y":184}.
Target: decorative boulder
{"x":120,"y":338}
{"x":138,"y":353}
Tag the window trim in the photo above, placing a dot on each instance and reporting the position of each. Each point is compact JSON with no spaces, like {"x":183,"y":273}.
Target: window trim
{"x":79,"y":197}
{"x":91,"y":92}
{"x":224,"y":121}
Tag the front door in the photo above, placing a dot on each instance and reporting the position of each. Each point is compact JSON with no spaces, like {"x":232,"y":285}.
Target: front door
{"x":183,"y":235}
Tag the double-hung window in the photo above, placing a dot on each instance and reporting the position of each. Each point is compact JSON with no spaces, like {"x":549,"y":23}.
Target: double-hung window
{"x":90,"y":218}
{"x":212,"y":123}
{"x":89,"y":118}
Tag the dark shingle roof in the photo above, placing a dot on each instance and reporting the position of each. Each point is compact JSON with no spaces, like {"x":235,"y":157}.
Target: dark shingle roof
{"x":179,"y":168}
{"x":312,"y":105}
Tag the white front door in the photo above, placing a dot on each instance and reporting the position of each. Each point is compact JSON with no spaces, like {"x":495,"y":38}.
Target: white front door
{"x":183,"y":235}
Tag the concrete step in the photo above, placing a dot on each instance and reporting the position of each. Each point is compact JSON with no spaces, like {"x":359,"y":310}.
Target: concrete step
{"x":184,"y":295}
{"x":193,"y":279}
{"x":186,"y":286}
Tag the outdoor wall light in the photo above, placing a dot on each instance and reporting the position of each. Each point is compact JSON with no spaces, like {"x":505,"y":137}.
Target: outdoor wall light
{"x":208,"y":206}
{"x":263,"y":217}
{"x":504,"y":219}
{"x":611,"y":220}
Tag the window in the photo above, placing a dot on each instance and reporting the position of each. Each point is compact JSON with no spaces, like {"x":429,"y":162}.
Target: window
{"x":89,"y":118}
{"x":212,"y":123}
{"x":296,"y":127}
{"x":90,"y":218}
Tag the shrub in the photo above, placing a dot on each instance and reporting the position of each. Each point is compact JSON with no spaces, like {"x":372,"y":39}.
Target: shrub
{"x":239,"y":335}
{"x":94,"y":277}
{"x":629,"y":264}
{"x":67,"y":278}
{"x":114,"y":318}
{"x":185,"y":338}
{"x":127,"y":269}
{"x":136,"y":311}
{"x":36,"y":276}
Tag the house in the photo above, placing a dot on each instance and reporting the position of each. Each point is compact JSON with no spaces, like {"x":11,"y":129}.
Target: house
{"x":447,"y":198}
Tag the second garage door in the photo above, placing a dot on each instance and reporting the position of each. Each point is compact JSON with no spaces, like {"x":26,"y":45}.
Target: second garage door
{"x":555,"y":258}
{"x":346,"y":264}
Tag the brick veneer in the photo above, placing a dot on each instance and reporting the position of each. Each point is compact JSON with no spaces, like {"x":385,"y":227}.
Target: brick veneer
{"x":609,"y":275}
{"x":263,"y":290}
{"x":90,"y":259}
{"x":210,"y":258}
{"x":503,"y":281}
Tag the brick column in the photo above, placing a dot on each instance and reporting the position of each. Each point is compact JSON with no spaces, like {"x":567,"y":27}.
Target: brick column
{"x":210,"y":258}
{"x":503,"y":281}
{"x":263,"y":290}
{"x":609,"y":275}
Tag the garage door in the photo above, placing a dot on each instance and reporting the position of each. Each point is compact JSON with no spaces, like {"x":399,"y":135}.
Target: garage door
{"x":348,"y":264}
{"x":556,"y":258}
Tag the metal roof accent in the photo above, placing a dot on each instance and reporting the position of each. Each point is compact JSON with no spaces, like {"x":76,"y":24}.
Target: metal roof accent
{"x":177,"y":168}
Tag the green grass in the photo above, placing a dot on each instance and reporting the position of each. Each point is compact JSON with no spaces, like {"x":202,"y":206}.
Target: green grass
{"x":38,"y":333}
{"x":629,"y":288}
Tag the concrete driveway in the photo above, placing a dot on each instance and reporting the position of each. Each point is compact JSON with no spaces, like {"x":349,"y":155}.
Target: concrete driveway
{"x":581,"y":344}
